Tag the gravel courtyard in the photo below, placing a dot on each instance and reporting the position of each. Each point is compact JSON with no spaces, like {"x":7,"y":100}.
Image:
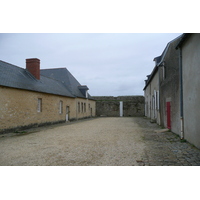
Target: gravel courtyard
{"x":111,"y":141}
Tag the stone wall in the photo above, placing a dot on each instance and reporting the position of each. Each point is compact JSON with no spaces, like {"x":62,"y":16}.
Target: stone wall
{"x":169,"y":89}
{"x":110,"y":106}
{"x":19,"y":108}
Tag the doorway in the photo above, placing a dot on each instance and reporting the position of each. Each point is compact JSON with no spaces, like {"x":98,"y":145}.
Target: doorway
{"x":90,"y":112}
{"x":121,"y":108}
{"x":67,"y":113}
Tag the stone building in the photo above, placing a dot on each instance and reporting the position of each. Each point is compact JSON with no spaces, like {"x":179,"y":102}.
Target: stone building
{"x":34,"y":97}
{"x":189,"y":51}
{"x":162,"y":89}
{"x":170,"y":88}
{"x":121,"y":106}
{"x":151,"y":93}
{"x":178,"y":88}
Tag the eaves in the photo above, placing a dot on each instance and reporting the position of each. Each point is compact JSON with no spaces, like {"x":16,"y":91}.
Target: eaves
{"x":161,"y":61}
{"x":185,"y":36}
{"x":151,"y":76}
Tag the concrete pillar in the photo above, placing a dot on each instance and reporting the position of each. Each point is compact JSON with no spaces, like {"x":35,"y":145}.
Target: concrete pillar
{"x":121,"y":108}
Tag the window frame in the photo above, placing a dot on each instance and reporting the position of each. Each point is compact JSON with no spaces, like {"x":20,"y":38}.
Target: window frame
{"x":39,"y":105}
{"x":61,"y":107}
{"x":79,"y":110}
{"x":84,"y":107}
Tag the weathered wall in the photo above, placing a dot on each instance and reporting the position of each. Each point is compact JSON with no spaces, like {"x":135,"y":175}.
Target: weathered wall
{"x":18,"y":108}
{"x":191,"y":92}
{"x":169,"y":88}
{"x":109,"y":106}
{"x":87,"y":108}
{"x":147,"y":94}
{"x":154,"y":108}
{"x":151,"y":93}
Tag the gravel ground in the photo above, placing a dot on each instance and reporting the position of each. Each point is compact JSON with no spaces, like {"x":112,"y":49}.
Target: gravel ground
{"x":100,"y":141}
{"x":110,"y":141}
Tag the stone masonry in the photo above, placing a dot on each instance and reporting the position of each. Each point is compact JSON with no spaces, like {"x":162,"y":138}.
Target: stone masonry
{"x":133,"y":106}
{"x":18,"y":109}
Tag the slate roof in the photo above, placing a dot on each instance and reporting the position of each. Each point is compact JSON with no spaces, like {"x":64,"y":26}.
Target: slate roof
{"x":68,"y":80}
{"x":184,"y":37}
{"x":16,"y":77}
{"x":159,"y":61}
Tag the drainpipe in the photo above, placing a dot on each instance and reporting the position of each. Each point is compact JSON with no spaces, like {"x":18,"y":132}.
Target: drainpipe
{"x":159,"y":95}
{"x":181,"y":92}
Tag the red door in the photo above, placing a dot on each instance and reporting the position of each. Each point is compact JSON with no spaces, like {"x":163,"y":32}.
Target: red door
{"x":168,"y":115}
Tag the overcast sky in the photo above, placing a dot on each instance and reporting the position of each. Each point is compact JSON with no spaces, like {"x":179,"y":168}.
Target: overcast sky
{"x":111,"y":64}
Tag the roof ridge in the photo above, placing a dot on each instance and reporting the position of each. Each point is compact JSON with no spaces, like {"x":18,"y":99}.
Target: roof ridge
{"x":11,"y":64}
{"x":54,"y":68}
{"x":20,"y":78}
{"x":166,"y":49}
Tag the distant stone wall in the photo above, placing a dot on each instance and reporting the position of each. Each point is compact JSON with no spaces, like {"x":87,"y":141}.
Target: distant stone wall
{"x":133,"y":106}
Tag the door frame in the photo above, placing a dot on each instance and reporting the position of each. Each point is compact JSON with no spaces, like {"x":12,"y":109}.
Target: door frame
{"x":67,"y":113}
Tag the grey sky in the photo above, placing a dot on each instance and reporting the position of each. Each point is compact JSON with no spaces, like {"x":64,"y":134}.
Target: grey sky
{"x":108,"y":63}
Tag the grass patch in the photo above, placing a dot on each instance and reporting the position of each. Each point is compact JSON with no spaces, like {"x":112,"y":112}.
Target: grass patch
{"x":183,"y":140}
{"x":20,"y":132}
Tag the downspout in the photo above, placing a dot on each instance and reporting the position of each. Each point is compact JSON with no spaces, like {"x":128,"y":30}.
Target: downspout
{"x":159,"y":95}
{"x":161,"y":79}
{"x":181,"y":92}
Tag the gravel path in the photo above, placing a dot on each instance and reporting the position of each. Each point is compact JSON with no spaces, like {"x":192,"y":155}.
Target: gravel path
{"x":111,"y":141}
{"x":100,"y":141}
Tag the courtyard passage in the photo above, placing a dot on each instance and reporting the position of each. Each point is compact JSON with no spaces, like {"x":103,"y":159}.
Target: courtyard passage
{"x":113,"y":141}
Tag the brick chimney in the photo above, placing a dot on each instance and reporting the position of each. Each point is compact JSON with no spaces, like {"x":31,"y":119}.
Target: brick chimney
{"x":33,"y":66}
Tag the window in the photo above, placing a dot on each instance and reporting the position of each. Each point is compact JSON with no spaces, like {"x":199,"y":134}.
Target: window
{"x":84,"y":107}
{"x":61,"y":107}
{"x":39,"y":106}
{"x":79,"y":107}
{"x":163,"y":73}
{"x":158,"y":105}
{"x":155,"y":99}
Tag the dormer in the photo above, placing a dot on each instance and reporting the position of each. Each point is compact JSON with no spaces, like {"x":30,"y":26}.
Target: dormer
{"x":84,"y":90}
{"x":157,"y":60}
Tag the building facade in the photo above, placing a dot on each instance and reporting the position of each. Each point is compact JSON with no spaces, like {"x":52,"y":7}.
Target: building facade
{"x":170,"y":88}
{"x":33,"y":97}
{"x":189,"y":49}
{"x":162,"y":89}
{"x":151,"y":93}
{"x":178,"y":70}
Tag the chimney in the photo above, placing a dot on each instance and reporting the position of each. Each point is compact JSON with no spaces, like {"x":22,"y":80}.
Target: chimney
{"x":33,"y":66}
